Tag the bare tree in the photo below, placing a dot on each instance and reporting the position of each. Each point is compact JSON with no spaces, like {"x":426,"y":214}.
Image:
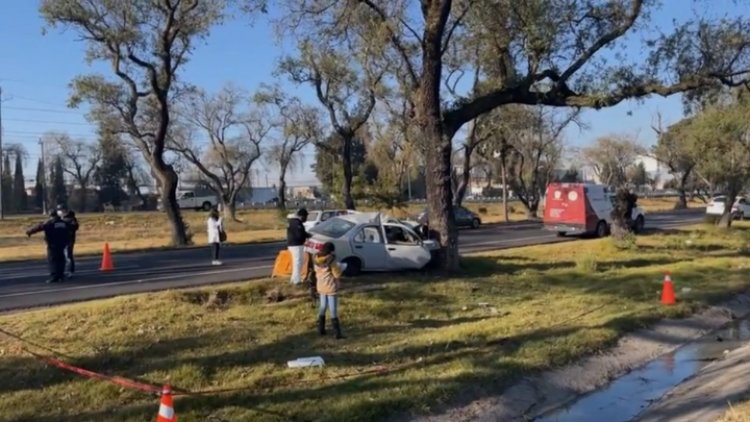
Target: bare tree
{"x":297,"y":124}
{"x":535,"y":152}
{"x":347,"y":93}
{"x":673,"y":150}
{"x":474,"y":140}
{"x":80,"y":160}
{"x":611,"y":157}
{"x":146,"y":43}
{"x":234,"y":141}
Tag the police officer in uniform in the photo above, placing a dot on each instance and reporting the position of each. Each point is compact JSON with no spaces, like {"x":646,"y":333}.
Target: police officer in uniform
{"x":57,"y":235}
{"x":69,"y":217}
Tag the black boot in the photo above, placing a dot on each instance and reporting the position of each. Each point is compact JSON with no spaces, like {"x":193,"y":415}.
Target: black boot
{"x":322,"y":325}
{"x":337,"y":328}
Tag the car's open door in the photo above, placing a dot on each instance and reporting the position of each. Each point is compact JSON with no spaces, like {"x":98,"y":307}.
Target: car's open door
{"x":404,"y":248}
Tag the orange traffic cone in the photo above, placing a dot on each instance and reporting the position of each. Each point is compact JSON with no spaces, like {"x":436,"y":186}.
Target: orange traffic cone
{"x":107,"y":259}
{"x":667,"y":291}
{"x":166,"y":408}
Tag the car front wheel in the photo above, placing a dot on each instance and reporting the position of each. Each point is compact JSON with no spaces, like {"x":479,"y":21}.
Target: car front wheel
{"x":353,"y":267}
{"x":475,"y":223}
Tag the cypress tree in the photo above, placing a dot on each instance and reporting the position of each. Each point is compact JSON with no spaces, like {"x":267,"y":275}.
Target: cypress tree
{"x":7,"y":180}
{"x":58,"y":192}
{"x":39,"y":187}
{"x":19,"y":186}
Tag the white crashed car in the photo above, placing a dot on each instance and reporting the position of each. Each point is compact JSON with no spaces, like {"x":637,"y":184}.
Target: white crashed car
{"x":367,"y":242}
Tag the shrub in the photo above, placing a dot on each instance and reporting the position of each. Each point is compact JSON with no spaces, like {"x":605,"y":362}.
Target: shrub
{"x":625,"y":241}
{"x":587,"y":263}
{"x":482,"y":210}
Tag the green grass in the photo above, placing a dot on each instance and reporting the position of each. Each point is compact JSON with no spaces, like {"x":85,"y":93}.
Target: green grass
{"x":432,"y":341}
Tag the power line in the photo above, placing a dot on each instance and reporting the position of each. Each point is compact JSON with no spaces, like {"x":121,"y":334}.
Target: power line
{"x":20,"y":97}
{"x":45,"y":110}
{"x":50,"y":122}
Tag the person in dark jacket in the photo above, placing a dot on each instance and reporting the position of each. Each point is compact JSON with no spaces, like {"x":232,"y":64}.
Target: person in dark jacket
{"x":296,"y":236}
{"x":632,"y":201}
{"x":69,"y":217}
{"x":57,"y":235}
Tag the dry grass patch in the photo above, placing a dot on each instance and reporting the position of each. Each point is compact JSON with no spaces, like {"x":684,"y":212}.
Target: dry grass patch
{"x":435,"y":341}
{"x":737,"y":413}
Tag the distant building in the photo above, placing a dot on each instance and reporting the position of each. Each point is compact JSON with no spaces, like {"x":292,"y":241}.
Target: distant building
{"x":304,"y":192}
{"x":655,"y":170}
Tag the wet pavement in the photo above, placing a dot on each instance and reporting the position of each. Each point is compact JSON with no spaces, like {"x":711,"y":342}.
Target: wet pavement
{"x":628,"y":396}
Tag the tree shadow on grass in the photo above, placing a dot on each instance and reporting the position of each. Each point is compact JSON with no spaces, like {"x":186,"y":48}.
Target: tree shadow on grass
{"x":490,"y":357}
{"x":480,"y":266}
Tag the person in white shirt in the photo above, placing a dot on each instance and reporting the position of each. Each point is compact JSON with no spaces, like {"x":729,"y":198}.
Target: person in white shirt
{"x":216,"y":235}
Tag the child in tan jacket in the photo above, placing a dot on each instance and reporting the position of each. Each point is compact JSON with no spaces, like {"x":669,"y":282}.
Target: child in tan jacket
{"x":328,"y":273}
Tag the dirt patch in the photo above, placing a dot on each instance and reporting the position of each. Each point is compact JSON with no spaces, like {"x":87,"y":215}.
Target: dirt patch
{"x":213,"y":299}
{"x":536,"y":395}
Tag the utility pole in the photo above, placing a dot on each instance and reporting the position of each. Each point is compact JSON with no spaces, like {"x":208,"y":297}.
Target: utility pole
{"x":44,"y":179}
{"x":2,"y":212}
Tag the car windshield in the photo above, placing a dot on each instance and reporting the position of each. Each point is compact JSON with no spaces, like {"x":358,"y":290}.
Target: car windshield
{"x":333,"y":228}
{"x":719,"y":199}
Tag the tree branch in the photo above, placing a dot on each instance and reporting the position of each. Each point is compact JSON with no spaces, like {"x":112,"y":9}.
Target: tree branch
{"x":521,"y":94}
{"x":395,"y":40}
{"x":456,"y":23}
{"x":606,"y":39}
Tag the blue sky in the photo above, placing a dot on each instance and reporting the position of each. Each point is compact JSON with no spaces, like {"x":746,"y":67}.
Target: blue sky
{"x":35,"y":70}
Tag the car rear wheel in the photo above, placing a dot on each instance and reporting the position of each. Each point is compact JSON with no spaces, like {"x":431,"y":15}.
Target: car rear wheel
{"x":475,"y":223}
{"x":601,"y":229}
{"x":353,"y":267}
{"x":640,"y":224}
{"x":206,"y":206}
{"x":562,"y":234}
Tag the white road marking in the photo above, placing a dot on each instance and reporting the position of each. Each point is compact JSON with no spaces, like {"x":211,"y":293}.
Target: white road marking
{"x":25,"y":274}
{"x":124,"y":283}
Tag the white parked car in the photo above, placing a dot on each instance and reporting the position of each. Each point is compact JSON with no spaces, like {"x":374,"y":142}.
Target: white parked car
{"x":369,"y":242}
{"x":316,"y":217}
{"x":190,"y":200}
{"x":740,"y":209}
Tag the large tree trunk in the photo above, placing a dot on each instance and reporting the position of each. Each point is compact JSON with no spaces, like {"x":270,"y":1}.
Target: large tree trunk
{"x":346,"y":190}
{"x":504,"y":182}
{"x":682,"y":202}
{"x":726,"y":219}
{"x":229,"y":205}
{"x":84,"y":198}
{"x":439,"y":196}
{"x":436,"y":136}
{"x":282,"y":193}
{"x":168,"y":182}
{"x":533,"y":208}
{"x":463,"y":183}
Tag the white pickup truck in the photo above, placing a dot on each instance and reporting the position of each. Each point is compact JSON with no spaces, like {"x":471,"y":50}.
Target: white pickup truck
{"x":189,"y":200}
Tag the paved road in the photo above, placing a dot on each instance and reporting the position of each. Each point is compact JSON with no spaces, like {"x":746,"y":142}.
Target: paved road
{"x":21,"y":283}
